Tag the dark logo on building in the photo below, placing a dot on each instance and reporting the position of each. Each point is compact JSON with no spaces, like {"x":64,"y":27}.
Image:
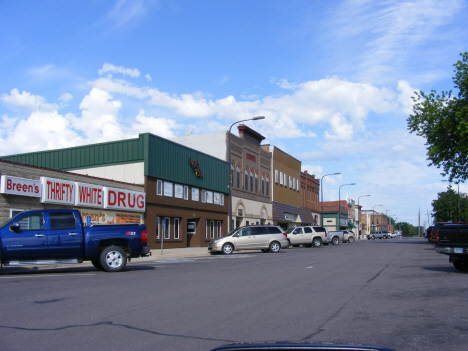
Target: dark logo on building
{"x":196,"y":168}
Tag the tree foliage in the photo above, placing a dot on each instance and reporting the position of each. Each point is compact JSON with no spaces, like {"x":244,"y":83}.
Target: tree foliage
{"x":445,"y":207}
{"x":406,"y":228}
{"x":443,"y":120}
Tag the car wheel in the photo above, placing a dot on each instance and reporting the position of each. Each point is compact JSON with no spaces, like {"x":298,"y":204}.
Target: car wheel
{"x":316,"y":242}
{"x":275,"y":246}
{"x":335,"y":241}
{"x":265,"y":250}
{"x":113,"y":259}
{"x":228,"y":249}
{"x":350,"y":239}
{"x":462,"y":266}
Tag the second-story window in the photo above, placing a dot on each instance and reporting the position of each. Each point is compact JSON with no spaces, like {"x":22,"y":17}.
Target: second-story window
{"x":267,"y":185}
{"x":251,"y":181}
{"x":263,"y":185}
{"x":246,"y":180}
{"x":256,"y":183}
{"x":238,"y":177}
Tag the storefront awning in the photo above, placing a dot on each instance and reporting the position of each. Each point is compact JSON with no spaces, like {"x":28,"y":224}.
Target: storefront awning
{"x":351,"y":225}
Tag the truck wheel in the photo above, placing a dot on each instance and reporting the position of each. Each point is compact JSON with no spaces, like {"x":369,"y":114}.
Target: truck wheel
{"x":350,"y":239}
{"x":113,"y":259}
{"x":462,"y":266}
{"x":335,"y":240}
{"x":96,"y":264}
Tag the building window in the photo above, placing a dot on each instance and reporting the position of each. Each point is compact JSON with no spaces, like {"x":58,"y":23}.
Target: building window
{"x":159,"y":186}
{"x":256,"y":183}
{"x":220,"y":232}
{"x":231,"y":183}
{"x":251,"y":182}
{"x":276,"y":176}
{"x":267,"y":185}
{"x":238,"y":177}
{"x":209,"y":197}
{"x":178,"y":191}
{"x":206,"y":229}
{"x":290,"y":182}
{"x":168,"y":189}
{"x":176,"y":228}
{"x":246,"y":180}
{"x":285,"y":180}
{"x":166,"y":228}
{"x":195,"y":194}
{"x":281,"y":178}
{"x":158,"y":227}
{"x":212,"y":229}
{"x":263,"y":185}
{"x":185,"y":192}
{"x":203,"y":195}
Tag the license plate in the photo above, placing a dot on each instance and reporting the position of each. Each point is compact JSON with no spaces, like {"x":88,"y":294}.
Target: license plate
{"x":458,"y":250}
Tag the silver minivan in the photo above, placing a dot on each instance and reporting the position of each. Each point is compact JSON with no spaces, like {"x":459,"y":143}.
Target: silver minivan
{"x":268,"y":238}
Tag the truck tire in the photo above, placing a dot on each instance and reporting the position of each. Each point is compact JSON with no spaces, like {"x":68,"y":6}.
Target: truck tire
{"x":335,"y":240}
{"x":462,"y":266}
{"x":113,"y":259}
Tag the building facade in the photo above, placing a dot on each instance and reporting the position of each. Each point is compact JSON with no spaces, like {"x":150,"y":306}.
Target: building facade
{"x":286,"y":190}
{"x":310,"y":190}
{"x":250,"y":171}
{"x":186,"y":191}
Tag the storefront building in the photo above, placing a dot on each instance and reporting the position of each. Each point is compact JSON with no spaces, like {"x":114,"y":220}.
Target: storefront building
{"x":24,"y":188}
{"x":250,"y":171}
{"x":286,"y":190}
{"x":310,"y":189}
{"x":185,"y":191}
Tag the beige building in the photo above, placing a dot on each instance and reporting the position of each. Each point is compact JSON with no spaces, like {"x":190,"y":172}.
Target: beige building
{"x":286,"y":190}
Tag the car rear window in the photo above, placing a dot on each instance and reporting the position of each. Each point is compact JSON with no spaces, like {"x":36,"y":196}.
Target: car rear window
{"x":274,"y":230}
{"x":259,"y":230}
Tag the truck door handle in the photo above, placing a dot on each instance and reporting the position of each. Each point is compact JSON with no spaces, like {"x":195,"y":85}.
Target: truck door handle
{"x":39,"y":235}
{"x":72,"y":234}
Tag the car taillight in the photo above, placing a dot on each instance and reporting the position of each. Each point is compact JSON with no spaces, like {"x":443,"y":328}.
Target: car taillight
{"x":286,"y":235}
{"x":144,"y":236}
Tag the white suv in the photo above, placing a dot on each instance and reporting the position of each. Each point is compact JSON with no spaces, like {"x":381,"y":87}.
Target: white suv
{"x":307,"y":236}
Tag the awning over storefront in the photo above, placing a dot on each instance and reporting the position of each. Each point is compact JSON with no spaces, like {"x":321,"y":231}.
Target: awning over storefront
{"x":351,"y":225}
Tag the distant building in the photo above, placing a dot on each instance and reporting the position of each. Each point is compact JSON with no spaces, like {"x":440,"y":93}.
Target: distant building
{"x":310,"y":190}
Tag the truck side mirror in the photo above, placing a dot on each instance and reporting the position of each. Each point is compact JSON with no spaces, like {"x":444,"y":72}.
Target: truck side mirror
{"x":15,"y":227}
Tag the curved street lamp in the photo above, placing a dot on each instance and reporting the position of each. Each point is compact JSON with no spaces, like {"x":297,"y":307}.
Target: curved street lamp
{"x":373,"y":211}
{"x":339,"y":203}
{"x":321,"y":189}
{"x":232,"y":170}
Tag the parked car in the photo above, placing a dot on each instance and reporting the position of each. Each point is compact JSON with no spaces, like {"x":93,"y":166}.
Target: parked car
{"x":378,"y":235}
{"x":307,"y":236}
{"x":453,"y":241}
{"x":427,"y":235}
{"x":348,"y":236}
{"x":268,"y":238}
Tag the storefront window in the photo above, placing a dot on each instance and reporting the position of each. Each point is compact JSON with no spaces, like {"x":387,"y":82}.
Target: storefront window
{"x":158,"y":227}
{"x":220,"y":234}
{"x":176,"y":228}
{"x":166,"y":228}
{"x":212,"y":229}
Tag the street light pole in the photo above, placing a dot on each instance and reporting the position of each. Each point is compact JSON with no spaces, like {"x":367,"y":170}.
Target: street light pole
{"x":339,"y":203}
{"x":321,"y":189}
{"x":373,"y":211}
{"x":231,"y":171}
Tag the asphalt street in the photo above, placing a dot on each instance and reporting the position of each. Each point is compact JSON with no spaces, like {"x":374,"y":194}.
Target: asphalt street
{"x":394,"y":293}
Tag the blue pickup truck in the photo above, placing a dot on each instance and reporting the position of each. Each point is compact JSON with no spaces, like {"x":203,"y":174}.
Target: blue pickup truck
{"x":59,"y":236}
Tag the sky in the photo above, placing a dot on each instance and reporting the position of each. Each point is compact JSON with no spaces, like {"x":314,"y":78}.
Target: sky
{"x":334,"y":80}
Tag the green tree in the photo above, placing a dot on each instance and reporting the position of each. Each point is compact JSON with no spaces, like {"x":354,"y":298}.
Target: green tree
{"x":443,"y":120}
{"x":406,"y":228}
{"x":445,"y":208}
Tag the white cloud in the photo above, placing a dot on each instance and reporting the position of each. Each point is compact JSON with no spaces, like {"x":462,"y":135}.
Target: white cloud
{"x":158,"y":126}
{"x":26,"y":101}
{"x":40,"y":131}
{"x":313,"y":170}
{"x":108,"y":67}
{"x":126,"y":12}
{"x":66,"y":97}
{"x":148,"y":78}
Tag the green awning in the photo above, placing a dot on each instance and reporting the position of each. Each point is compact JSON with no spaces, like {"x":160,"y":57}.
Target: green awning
{"x":351,"y":225}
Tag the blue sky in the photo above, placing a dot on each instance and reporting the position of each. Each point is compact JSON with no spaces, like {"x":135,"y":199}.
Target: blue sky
{"x":334,"y":80}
